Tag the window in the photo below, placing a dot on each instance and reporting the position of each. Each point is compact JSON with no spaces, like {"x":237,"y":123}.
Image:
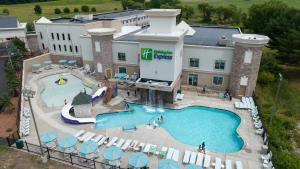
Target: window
{"x":57,"y":35}
{"x":194,"y":62}
{"x":69,"y":36}
{"x":52,"y":35}
{"x":63,"y":36}
{"x":219,"y":64}
{"x":248,"y":56}
{"x":59,"y":47}
{"x":122,"y":69}
{"x":121,"y":56}
{"x":244,"y":81}
{"x":76,"y":49}
{"x":97,"y":46}
{"x":71,"y":49}
{"x":43,"y":45}
{"x":54,"y":47}
{"x":193,"y":79}
{"x":41,"y":35}
{"x":218,"y":80}
{"x":65,"y":47}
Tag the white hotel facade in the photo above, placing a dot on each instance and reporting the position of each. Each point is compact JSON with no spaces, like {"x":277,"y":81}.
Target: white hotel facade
{"x":164,"y":55}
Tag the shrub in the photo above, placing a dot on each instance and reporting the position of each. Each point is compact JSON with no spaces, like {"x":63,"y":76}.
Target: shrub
{"x":265,"y":77}
{"x":57,"y":11}
{"x":66,"y":10}
{"x":5,"y":11}
{"x":93,"y":9}
{"x":85,"y":8}
{"x":38,"y":9}
{"x":76,"y":10}
{"x":4,"y":102}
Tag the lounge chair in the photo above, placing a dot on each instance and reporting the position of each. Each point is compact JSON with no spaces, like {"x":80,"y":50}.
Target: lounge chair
{"x":82,"y":137}
{"x":120,"y":143}
{"x":266,"y":157}
{"x":268,"y":165}
{"x":239,"y":165}
{"x":163,"y":152}
{"x":206,"y":161}
{"x":218,"y":163}
{"x":89,"y":137}
{"x":199,"y":161}
{"x":259,"y":131}
{"x":175,"y":155}
{"x":101,"y":142}
{"x":193,"y":158}
{"x":97,"y":139}
{"x":170,"y":153}
{"x":112,"y":141}
{"x":133,"y":144}
{"x":139,"y":147}
{"x":186,"y":157}
{"x":126,"y":144}
{"x":152,"y":149}
{"x":147,"y":148}
{"x":228,"y":164}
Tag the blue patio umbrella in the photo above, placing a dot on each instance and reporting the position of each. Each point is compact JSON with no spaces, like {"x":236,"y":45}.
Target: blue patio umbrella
{"x":112,"y":153}
{"x":71,"y":62}
{"x":36,"y":66}
{"x":168,"y":164}
{"x":138,"y":160}
{"x":121,"y":75}
{"x":88,"y":147}
{"x":47,"y":62}
{"x":193,"y":166}
{"x":62,"y":61}
{"x":49,"y":136}
{"x":67,"y":142}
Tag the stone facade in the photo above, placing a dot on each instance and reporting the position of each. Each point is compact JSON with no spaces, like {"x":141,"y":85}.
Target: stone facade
{"x":33,"y":44}
{"x":240,"y":69}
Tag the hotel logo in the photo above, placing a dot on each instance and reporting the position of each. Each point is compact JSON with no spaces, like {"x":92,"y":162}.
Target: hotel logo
{"x":146,"y":53}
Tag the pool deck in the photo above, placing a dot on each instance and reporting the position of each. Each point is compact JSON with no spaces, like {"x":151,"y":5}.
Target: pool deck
{"x":49,"y":119}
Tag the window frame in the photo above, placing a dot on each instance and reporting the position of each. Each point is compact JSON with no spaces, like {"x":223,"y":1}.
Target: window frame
{"x":122,"y":67}
{"x":188,"y":79}
{"x":190,"y":59}
{"x":217,"y":76}
{"x":219,"y":69}
{"x":119,"y":56}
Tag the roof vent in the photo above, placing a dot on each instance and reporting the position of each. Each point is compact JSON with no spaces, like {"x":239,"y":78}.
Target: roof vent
{"x":223,"y":41}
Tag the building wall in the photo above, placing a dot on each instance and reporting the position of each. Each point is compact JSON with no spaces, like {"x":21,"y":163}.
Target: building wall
{"x":130,"y":69}
{"x":135,"y":20}
{"x":33,"y":43}
{"x":131,"y":50}
{"x":86,"y":48}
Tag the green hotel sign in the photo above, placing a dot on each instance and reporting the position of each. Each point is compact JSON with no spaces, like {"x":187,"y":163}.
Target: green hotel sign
{"x":149,"y":54}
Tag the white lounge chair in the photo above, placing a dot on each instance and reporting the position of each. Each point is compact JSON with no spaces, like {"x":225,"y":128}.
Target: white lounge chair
{"x":82,"y":137}
{"x":133,"y":144}
{"x":199,"y":161}
{"x":186,"y":157}
{"x":97,"y":139}
{"x":218,"y":163}
{"x":147,"y":148}
{"x":120,"y":142}
{"x":140,"y":147}
{"x":239,"y":165}
{"x":259,"y":131}
{"x":112,"y":141}
{"x":101,"y":142}
{"x":175,"y":155}
{"x":89,"y":137}
{"x":228,"y":164}
{"x":163,"y":152}
{"x":170,"y":153}
{"x":126,"y":144}
{"x":266,"y":157}
{"x":268,"y":165}
{"x":206,"y":161}
{"x":193,"y":158}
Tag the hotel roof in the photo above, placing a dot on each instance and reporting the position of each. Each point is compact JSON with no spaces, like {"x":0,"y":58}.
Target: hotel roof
{"x":204,"y":35}
{"x":8,"y":22}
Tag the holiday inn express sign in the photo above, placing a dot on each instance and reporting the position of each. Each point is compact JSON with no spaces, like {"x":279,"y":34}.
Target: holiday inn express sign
{"x":149,"y":54}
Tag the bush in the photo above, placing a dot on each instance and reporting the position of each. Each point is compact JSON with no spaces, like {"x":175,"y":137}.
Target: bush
{"x":5,"y":11}
{"x":38,"y":9}
{"x":93,"y":9}
{"x":57,"y":11}
{"x":30,"y":27}
{"x":4,"y":102}
{"x":265,"y":77}
{"x":76,"y":10}
{"x":66,"y":10}
{"x":85,"y":8}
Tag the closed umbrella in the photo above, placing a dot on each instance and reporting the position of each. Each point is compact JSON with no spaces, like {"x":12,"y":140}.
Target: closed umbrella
{"x":63,"y":61}
{"x":67,"y":142}
{"x":193,"y":166}
{"x":48,"y":136}
{"x":88,"y":147}
{"x":47,"y":62}
{"x":112,"y":153}
{"x":168,"y":164}
{"x":138,"y":159}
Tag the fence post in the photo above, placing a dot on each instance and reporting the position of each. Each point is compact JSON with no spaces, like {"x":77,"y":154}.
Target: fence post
{"x":71,"y":159}
{"x":26,"y":146}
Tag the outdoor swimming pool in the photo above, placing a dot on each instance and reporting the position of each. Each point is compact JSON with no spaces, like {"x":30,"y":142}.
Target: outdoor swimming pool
{"x":191,"y":125}
{"x":54,"y":94}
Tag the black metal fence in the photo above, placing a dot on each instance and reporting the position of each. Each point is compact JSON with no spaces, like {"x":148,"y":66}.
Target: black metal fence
{"x":68,"y":158}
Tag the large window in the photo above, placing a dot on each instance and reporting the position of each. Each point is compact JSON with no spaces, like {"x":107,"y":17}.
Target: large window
{"x":41,"y":35}
{"x":218,"y":80}
{"x":71,"y":48}
{"x":76,"y":49}
{"x":63,"y":36}
{"x":43,"y":46}
{"x":122,"y":69}
{"x":193,"y":79}
{"x":121,"y":56}
{"x":65,"y":47}
{"x":69,"y":36}
{"x":57,"y":35}
{"x":194,"y":62}
{"x":52,"y":35}
{"x":54,"y":47}
{"x":219,"y":64}
{"x":59,"y":47}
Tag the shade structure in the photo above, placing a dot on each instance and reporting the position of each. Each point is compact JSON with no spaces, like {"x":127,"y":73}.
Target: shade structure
{"x":62,"y":61}
{"x":113,"y":153}
{"x":67,"y":142}
{"x":72,"y":62}
{"x":168,"y":164}
{"x":48,"y":136}
{"x":138,"y":159}
{"x":47,"y":62}
{"x":88,"y":147}
{"x":121,"y":75}
{"x":193,"y":166}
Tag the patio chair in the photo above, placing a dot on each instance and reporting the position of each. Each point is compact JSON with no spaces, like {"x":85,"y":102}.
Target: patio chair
{"x":218,"y":163}
{"x":175,"y":155}
{"x":228,"y":164}
{"x":206,"y":161}
{"x":79,"y":133}
{"x":152,"y":149}
{"x":239,"y":165}
{"x":199,"y":161}
{"x":193,"y":158}
{"x":101,"y":142}
{"x":97,"y":138}
{"x":120,"y":143}
{"x":170,"y":153}
{"x":89,"y":136}
{"x":126,"y":144}
{"x":112,"y":141}
{"x":186,"y":157}
{"x":147,"y":148}
{"x":163,"y":152}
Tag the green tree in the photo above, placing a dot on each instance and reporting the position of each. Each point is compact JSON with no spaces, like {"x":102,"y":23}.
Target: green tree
{"x":207,"y":10}
{"x":76,"y":10}
{"x":4,"y":102}
{"x":20,"y":45}
{"x":66,"y":10}
{"x":13,"y":83}
{"x":16,"y":58}
{"x":30,"y":27}
{"x":5,"y":11}
{"x":57,"y":11}
{"x":94,"y":9}
{"x":38,"y":9}
{"x":85,"y":8}
{"x":187,"y":12}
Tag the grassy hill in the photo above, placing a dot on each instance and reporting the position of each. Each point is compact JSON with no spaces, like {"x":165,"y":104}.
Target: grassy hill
{"x":25,"y":12}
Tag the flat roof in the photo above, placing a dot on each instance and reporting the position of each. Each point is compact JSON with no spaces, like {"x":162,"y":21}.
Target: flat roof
{"x":8,"y":22}
{"x":204,"y":35}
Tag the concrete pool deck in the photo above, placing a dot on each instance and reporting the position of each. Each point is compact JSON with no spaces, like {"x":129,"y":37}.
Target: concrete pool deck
{"x":49,"y":119}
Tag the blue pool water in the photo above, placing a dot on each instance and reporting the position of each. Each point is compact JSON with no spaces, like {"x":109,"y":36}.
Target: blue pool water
{"x":54,"y":94}
{"x":191,"y":125}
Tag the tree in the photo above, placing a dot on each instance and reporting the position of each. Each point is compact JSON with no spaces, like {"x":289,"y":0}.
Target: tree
{"x":57,"y":11}
{"x":85,"y":8}
{"x":94,"y":9}
{"x":20,"y":45}
{"x":66,"y":10}
{"x":76,"y":10}
{"x":13,"y":82}
{"x":30,"y":27}
{"x":206,"y":9}
{"x":187,"y":11}
{"x":5,"y":11}
{"x":4,"y":102}
{"x":38,"y":9}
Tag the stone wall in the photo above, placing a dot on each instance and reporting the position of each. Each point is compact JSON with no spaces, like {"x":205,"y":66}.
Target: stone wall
{"x":32,"y":40}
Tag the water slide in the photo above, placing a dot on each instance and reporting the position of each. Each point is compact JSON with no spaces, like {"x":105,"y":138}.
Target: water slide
{"x":99,"y":93}
{"x":65,"y":114}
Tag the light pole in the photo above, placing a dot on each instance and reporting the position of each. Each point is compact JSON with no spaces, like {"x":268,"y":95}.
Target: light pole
{"x":276,"y":98}
{"x":30,"y":94}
